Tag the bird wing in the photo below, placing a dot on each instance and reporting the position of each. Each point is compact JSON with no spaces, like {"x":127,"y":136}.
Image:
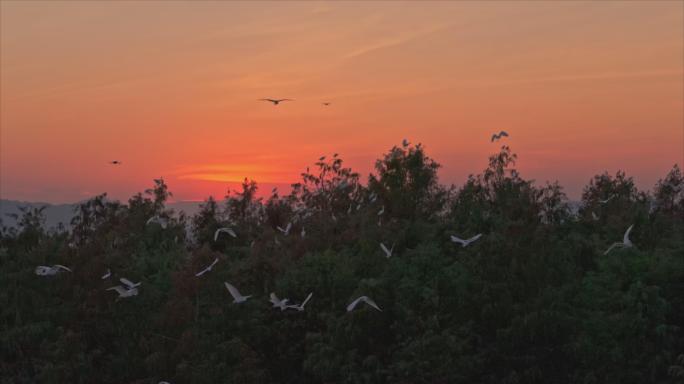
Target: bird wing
{"x":611,"y":248}
{"x":42,"y":270}
{"x":474,"y":237}
{"x":151,"y":219}
{"x":233,"y":291}
{"x":607,"y":200}
{"x":306,"y":300}
{"x":106,"y":275}
{"x":371,"y":303}
{"x":457,"y":239}
{"x":271,"y":100}
{"x":280,"y":228}
{"x":352,"y":305}
{"x":61,"y":267}
{"x":213,"y":263}
{"x":119,"y":289}
{"x":287,"y":229}
{"x":202,"y":272}
{"x":217,"y":233}
{"x":231,"y":232}
{"x":494,"y":136}
{"x":129,"y":283}
{"x":273,"y":299}
{"x":625,"y":238}
{"x":388,"y":253}
{"x":503,"y":133}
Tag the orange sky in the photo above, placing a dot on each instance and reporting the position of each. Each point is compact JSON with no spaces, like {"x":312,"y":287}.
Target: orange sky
{"x":170,"y":89}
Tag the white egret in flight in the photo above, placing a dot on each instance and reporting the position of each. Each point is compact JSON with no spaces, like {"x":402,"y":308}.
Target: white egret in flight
{"x":300,"y":307}
{"x":237,"y":297}
{"x":388,"y":252}
{"x":626,"y":242}
{"x":277,"y":303}
{"x":285,"y":231}
{"x":128,"y":283}
{"x":207,"y":269}
{"x":124,"y":292}
{"x":465,"y":243}
{"x":43,"y":270}
{"x":608,"y":199}
{"x":224,"y":230}
{"x":158,"y":220}
{"x":366,"y":300}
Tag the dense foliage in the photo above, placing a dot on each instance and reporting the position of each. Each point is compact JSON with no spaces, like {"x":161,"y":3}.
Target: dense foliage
{"x":534,"y":300}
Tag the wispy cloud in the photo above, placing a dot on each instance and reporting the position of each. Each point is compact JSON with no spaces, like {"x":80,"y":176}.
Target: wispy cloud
{"x":393,"y":41}
{"x":592,"y":76}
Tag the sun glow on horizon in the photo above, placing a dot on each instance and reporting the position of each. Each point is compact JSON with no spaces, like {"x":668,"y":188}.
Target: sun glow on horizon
{"x":176,"y":93}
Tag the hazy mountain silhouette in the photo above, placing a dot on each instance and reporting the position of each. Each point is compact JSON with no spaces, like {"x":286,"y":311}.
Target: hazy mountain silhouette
{"x":62,"y":213}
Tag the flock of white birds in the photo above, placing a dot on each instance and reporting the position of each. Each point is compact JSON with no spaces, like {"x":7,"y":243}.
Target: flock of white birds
{"x":130,"y":289}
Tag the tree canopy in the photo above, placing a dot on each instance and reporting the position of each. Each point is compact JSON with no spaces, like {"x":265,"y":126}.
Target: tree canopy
{"x":534,"y":300}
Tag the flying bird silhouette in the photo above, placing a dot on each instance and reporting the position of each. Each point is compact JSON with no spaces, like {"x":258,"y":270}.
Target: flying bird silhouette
{"x":277,"y":303}
{"x":626,"y":242}
{"x":129,"y":283}
{"x":226,"y":230}
{"x":372,"y":197}
{"x":465,"y":243}
{"x":106,"y":275}
{"x":366,"y":300}
{"x":43,"y":270}
{"x":276,"y":101}
{"x":608,"y":199}
{"x":207,"y":269}
{"x":497,"y":136}
{"x":326,"y":103}
{"x":158,"y":220}
{"x":300,"y":307}
{"x":388,"y":252}
{"x":237,"y":297}
{"x":115,"y":162}
{"x":123,"y":291}
{"x":285,"y":231}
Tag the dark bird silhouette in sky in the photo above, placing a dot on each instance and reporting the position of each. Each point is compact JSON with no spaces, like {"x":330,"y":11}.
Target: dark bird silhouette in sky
{"x":115,"y":162}
{"x":276,"y":101}
{"x":326,"y":103}
{"x":499,"y":135}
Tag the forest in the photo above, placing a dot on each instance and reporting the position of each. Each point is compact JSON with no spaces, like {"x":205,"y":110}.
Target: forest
{"x":535,"y":299}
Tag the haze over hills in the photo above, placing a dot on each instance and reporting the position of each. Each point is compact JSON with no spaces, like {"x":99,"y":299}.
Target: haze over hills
{"x":62,"y":213}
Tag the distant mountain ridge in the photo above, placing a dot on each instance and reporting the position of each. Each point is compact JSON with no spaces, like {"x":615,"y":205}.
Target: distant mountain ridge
{"x":62,"y":213}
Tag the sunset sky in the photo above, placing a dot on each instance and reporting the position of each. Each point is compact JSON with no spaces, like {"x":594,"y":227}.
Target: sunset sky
{"x":171,"y":89}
